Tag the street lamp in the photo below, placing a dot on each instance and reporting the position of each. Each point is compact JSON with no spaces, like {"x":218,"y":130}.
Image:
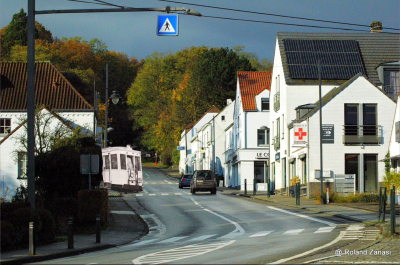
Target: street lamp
{"x":115,"y":99}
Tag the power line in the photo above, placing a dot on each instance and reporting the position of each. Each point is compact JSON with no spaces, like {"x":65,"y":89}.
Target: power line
{"x":269,"y":14}
{"x":108,"y":4}
{"x":86,"y":2}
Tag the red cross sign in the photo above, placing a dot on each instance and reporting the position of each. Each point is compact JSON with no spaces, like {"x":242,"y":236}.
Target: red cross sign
{"x":300,"y":134}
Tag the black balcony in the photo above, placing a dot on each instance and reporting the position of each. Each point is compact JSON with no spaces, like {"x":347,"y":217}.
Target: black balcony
{"x":391,"y":92}
{"x":362,"y":134}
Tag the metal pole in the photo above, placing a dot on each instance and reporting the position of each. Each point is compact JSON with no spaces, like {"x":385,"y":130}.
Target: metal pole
{"x":94,"y":109}
{"x":106,"y":122}
{"x":70,"y":224}
{"x":393,"y":211}
{"x":213,"y":133}
{"x":98,"y":229}
{"x":32,"y":247}
{"x":320,"y":132}
{"x":31,"y":103}
{"x":90,"y":172}
{"x":245,"y":186}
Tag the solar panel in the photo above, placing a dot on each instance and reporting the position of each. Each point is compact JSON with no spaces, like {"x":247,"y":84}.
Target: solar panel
{"x":340,"y":59}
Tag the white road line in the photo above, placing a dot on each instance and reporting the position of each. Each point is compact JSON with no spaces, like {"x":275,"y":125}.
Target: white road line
{"x":310,"y":251}
{"x":178,"y":193}
{"x":167,"y":181}
{"x":325,"y":229}
{"x":122,"y":212}
{"x":140,"y":243}
{"x":147,"y":175}
{"x":262,"y":233}
{"x":195,"y":202}
{"x":303,"y":216}
{"x":179,"y":253}
{"x":293,"y":232}
{"x":355,"y":227}
{"x":164,"y":194}
{"x":201,"y":238}
{"x":172,"y":239}
{"x":152,"y":194}
{"x":139,"y":195}
{"x":145,"y":191}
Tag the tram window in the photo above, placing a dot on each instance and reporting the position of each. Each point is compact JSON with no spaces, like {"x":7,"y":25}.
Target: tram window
{"x":114,"y":161}
{"x":122,"y":158}
{"x":107,"y":162}
{"x":137,"y":163}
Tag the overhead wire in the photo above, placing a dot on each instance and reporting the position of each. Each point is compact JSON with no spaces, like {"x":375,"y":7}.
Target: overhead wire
{"x":270,"y":14}
{"x":86,"y":2}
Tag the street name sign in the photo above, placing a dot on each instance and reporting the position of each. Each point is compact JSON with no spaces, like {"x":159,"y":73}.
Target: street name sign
{"x":180,"y":148}
{"x":168,"y":25}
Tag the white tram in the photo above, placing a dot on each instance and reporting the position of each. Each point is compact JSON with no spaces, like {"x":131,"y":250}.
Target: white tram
{"x":122,"y":168}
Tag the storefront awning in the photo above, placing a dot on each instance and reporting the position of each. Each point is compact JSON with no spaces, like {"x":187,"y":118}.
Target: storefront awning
{"x":390,"y":158}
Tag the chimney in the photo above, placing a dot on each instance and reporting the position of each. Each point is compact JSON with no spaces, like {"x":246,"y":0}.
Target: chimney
{"x":376,"y":27}
{"x":228,"y":101}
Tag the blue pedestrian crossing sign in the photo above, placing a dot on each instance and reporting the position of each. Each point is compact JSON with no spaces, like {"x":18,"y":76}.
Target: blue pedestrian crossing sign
{"x":168,"y":25}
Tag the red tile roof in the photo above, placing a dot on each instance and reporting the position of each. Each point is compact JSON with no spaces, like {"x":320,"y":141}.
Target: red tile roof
{"x":52,"y":88}
{"x":252,"y":84}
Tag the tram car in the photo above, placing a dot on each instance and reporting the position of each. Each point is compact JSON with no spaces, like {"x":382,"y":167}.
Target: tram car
{"x":122,"y":169}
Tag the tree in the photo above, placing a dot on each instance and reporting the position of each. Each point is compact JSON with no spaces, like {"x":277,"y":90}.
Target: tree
{"x":263,"y":65}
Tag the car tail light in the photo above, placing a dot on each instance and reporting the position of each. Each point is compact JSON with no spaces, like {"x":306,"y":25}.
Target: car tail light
{"x":184,"y":179}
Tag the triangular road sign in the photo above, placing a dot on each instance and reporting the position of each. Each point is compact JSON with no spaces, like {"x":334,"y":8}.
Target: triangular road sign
{"x":167,"y":27}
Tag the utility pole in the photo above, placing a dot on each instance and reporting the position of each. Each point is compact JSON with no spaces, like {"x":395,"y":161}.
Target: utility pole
{"x":213,"y":144}
{"x":321,"y":175}
{"x":31,"y":103}
{"x":106,"y":122}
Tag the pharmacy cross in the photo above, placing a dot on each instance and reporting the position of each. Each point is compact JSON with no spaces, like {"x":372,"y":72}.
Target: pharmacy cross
{"x":300,"y":134}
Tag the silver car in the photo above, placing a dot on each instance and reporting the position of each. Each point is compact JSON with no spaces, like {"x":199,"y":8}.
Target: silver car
{"x":203,"y":180}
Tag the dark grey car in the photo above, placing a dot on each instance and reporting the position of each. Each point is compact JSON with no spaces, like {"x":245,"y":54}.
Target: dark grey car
{"x":203,"y":180}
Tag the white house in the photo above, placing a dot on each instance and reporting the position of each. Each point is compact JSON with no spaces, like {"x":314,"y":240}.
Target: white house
{"x":295,"y":92}
{"x":394,"y":146}
{"x":248,"y":158}
{"x":211,"y":140}
{"x":191,"y":155}
{"x":56,"y":96}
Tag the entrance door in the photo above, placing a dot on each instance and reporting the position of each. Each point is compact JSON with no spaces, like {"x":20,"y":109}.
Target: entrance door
{"x":284,"y":172}
{"x":351,"y":166}
{"x":370,"y":173}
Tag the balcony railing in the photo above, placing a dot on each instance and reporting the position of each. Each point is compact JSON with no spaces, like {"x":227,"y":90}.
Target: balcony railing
{"x":391,"y":92}
{"x":362,"y":134}
{"x":277,"y":101}
{"x":277,"y":143}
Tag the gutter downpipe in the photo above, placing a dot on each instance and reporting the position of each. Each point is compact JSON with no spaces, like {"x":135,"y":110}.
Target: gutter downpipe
{"x":308,"y":158}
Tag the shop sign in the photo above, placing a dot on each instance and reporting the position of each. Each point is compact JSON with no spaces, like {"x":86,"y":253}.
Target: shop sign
{"x":300,"y":134}
{"x":277,"y":156}
{"x":262,"y":156}
{"x":328,"y":134}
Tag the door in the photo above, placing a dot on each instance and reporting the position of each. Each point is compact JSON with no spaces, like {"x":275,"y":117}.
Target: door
{"x":370,"y":173}
{"x":284,"y":172}
{"x":351,"y":166}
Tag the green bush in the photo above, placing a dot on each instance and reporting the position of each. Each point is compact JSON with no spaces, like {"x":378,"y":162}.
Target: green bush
{"x":391,"y":179}
{"x":351,"y":198}
{"x":20,"y":220}
{"x":7,"y":209}
{"x":7,"y":235}
{"x":91,"y":203}
{"x":48,"y":232}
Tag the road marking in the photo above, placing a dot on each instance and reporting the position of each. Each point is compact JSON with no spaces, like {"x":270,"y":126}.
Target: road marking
{"x":145,"y":191}
{"x":302,"y":216}
{"x":147,"y":175}
{"x":179,"y":253}
{"x":139,"y":195}
{"x":262,"y":233}
{"x":200,"y":238}
{"x":195,"y":202}
{"x":178,"y":193}
{"x":310,"y":251}
{"x":143,"y":242}
{"x":325,"y":229}
{"x":122,"y":212}
{"x":293,"y":232}
{"x":164,"y":194}
{"x":152,"y":194}
{"x":172,"y":239}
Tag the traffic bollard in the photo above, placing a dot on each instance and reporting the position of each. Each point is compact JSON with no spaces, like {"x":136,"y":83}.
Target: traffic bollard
{"x":268,"y":189}
{"x":245,"y":187}
{"x":98,"y":229}
{"x":70,"y":233}
{"x":327,"y":195}
{"x":254,"y":187}
{"x":297,"y":193}
{"x":32,"y":247}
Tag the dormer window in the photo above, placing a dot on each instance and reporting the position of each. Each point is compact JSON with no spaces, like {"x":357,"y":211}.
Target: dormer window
{"x":265,"y":104}
{"x":5,"y":126}
{"x":302,"y":110}
{"x":391,"y":83}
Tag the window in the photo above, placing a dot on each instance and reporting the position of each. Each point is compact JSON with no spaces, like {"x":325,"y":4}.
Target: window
{"x":264,"y":104}
{"x":369,"y":119}
{"x":223,"y":118}
{"x":259,"y":171}
{"x":122,"y":158}
{"x":391,"y":83}
{"x":114,"y":161}
{"x":262,"y":137}
{"x":5,"y":126}
{"x":106,"y":162}
{"x":351,"y":119}
{"x":283,"y":127}
{"x":22,"y":165}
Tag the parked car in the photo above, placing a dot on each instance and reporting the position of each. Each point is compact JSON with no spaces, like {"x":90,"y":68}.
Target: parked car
{"x":203,"y":180}
{"x":184,"y":181}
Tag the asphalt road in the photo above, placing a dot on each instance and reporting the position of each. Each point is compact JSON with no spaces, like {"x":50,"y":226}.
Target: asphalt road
{"x":205,"y":228}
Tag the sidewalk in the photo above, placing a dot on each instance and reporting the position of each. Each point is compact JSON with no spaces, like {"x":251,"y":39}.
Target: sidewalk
{"x":124,"y":226}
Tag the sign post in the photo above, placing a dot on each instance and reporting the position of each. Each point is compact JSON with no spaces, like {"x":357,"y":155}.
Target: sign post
{"x":90,"y":165}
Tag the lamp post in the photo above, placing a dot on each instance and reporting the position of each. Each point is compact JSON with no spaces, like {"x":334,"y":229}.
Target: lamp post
{"x":115,"y":99}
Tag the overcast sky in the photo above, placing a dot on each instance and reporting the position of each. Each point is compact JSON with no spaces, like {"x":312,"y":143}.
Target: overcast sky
{"x":135,"y":33}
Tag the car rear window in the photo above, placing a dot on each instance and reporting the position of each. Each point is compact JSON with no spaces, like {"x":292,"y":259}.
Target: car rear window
{"x":205,"y":175}
{"x":187,"y":176}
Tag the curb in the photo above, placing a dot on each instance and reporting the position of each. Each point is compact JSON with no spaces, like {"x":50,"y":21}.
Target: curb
{"x":38,"y":258}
